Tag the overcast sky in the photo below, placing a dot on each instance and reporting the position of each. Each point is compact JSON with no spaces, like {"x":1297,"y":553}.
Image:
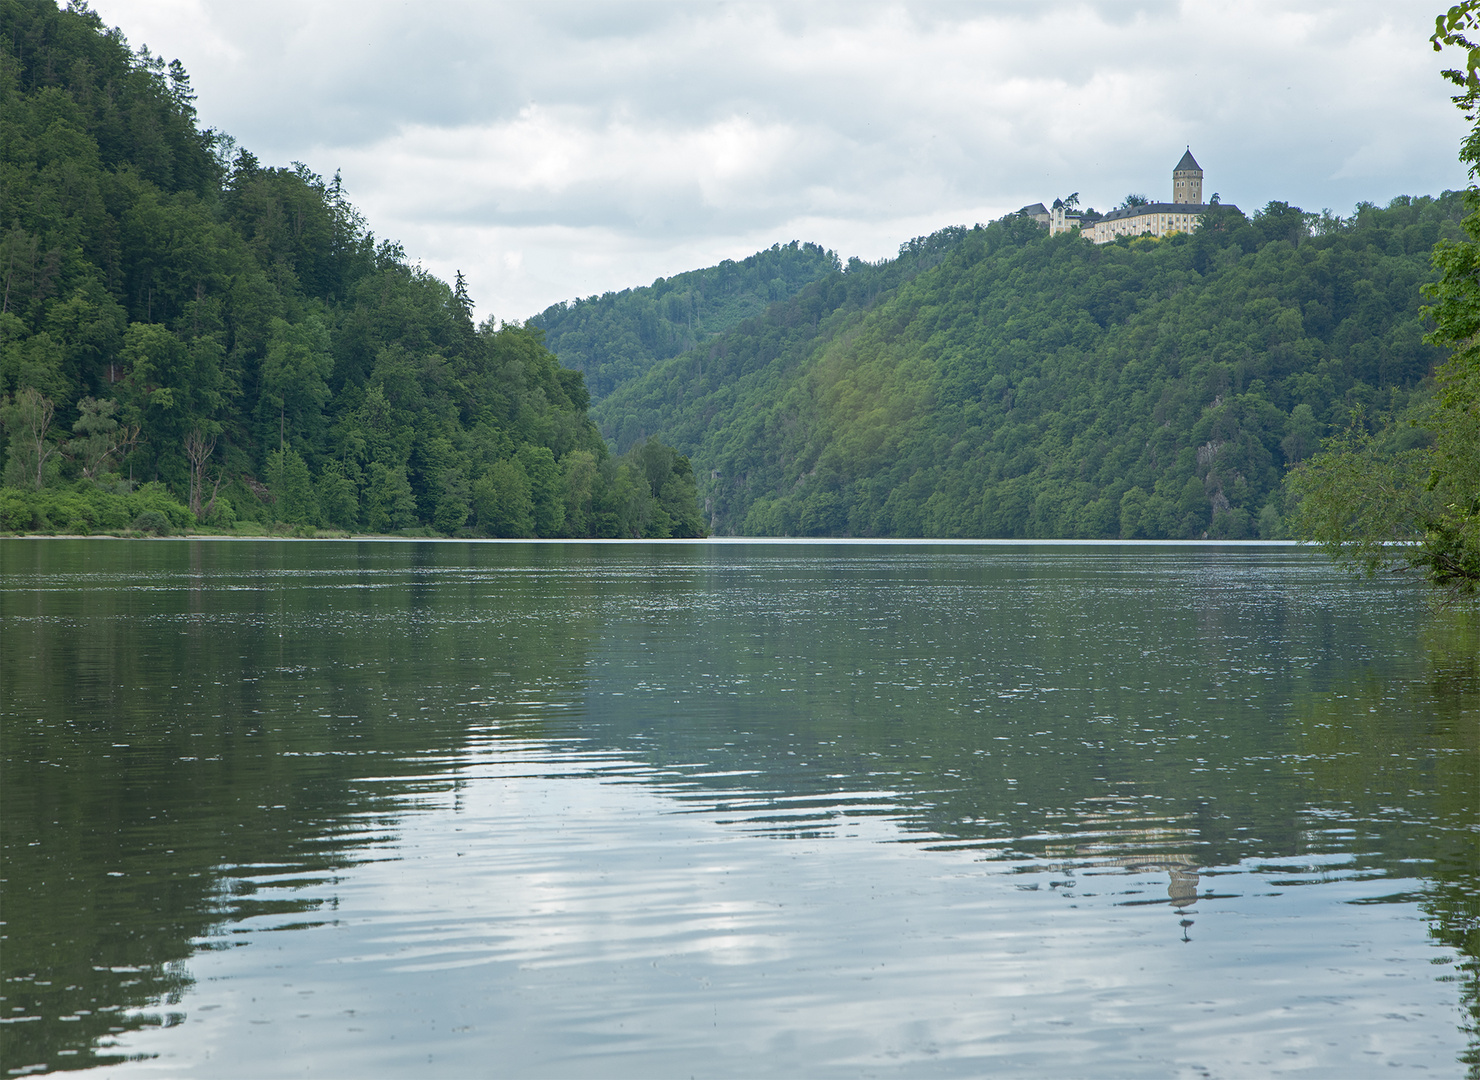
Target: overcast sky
{"x":551,"y":150}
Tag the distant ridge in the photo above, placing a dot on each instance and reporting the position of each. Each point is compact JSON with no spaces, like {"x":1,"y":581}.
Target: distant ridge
{"x":619,"y":336}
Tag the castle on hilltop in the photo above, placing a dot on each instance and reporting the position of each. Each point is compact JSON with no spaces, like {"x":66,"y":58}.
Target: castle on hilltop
{"x":1147,"y":219}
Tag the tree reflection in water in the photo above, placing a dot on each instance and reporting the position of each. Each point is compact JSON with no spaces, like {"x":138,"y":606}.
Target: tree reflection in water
{"x":200,"y":718}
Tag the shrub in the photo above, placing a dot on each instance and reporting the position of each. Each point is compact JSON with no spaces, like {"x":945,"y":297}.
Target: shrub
{"x":152,"y":521}
{"x":110,"y":508}
{"x":16,"y":512}
{"x":222,"y":515}
{"x":157,"y":498}
{"x":67,"y":511}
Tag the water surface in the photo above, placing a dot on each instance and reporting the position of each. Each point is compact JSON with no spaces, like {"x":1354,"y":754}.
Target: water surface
{"x":727,"y":808}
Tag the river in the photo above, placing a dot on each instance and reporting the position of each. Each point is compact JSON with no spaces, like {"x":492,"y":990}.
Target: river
{"x":732,"y":808}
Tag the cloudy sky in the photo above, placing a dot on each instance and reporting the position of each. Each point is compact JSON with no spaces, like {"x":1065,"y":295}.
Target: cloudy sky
{"x":557,"y":150}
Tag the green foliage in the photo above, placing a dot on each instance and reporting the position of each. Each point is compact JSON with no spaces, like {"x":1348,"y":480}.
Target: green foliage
{"x":97,"y":436}
{"x":220,"y":514}
{"x":151,"y":521}
{"x":1012,"y":384}
{"x":582,"y":478}
{"x":295,"y":374}
{"x":287,"y":475}
{"x":546,"y":493}
{"x":503,"y":500}
{"x":669,"y":480}
{"x":157,"y":498}
{"x":1363,"y":493}
{"x":85,"y":508}
{"x":1375,"y":499}
{"x":617,"y":337}
{"x":32,"y":454}
{"x":16,"y":512}
{"x":338,"y":498}
{"x":388,"y":503}
{"x":173,"y":310}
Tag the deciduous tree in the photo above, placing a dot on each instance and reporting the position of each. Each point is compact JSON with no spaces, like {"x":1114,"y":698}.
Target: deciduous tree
{"x":1367,"y":499}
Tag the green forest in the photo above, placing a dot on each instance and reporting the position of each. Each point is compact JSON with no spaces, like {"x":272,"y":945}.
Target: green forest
{"x":998,"y":382}
{"x":192,"y":339}
{"x":619,"y":336}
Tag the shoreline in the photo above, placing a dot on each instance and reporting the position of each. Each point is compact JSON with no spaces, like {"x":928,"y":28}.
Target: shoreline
{"x":852,"y":541}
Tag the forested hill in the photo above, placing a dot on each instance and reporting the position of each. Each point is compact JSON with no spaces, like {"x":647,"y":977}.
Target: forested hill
{"x":619,"y":336}
{"x":1030,"y":386}
{"x":188,"y":335}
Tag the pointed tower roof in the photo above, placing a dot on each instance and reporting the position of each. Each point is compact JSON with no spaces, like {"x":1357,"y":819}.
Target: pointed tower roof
{"x":1187,"y":162}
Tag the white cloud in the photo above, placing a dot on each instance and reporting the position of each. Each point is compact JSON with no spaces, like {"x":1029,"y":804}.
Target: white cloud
{"x":606,"y":144}
{"x":552,"y":166}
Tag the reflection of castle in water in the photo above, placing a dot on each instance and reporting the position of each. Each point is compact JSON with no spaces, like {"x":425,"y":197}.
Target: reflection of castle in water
{"x":1133,"y":850}
{"x":1181,"y":888}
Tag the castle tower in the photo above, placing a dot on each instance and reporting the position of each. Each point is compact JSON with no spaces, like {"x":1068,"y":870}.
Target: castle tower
{"x":1187,"y":180}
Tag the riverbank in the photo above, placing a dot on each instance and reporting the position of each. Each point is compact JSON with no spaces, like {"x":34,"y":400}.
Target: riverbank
{"x":289,"y":532}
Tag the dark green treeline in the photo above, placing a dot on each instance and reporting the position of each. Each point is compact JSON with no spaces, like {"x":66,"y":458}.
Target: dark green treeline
{"x":1029,"y":386}
{"x":187,"y":334}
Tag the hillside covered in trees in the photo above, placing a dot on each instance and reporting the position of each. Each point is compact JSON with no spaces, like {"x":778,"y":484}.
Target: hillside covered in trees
{"x":1017,"y":385}
{"x":190,"y":336}
{"x":187,"y":334}
{"x":620,"y":336}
